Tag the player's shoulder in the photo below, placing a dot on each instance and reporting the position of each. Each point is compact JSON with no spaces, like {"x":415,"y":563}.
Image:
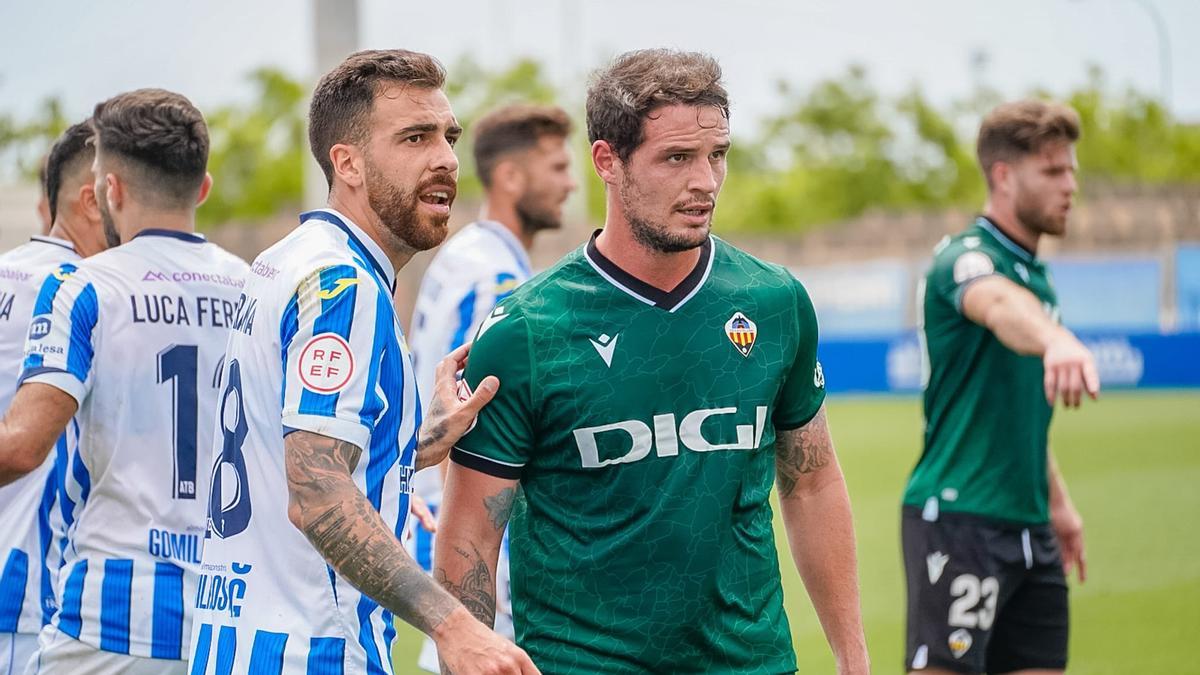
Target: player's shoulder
{"x":736,"y":267}
{"x":32,"y":261}
{"x":551,"y":287}
{"x":310,"y":249}
{"x":967,"y":254}
{"x":475,"y":254}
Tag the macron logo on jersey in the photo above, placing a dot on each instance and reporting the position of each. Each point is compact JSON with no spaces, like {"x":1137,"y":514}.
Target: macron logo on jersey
{"x":499,"y":314}
{"x":605,"y":347}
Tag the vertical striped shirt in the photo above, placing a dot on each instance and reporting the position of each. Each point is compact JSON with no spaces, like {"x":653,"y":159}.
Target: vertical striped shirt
{"x":315,"y":347}
{"x":31,"y":537}
{"x":136,"y":335}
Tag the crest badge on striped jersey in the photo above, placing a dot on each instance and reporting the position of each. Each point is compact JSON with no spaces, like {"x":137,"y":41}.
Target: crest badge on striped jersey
{"x":742,"y":332}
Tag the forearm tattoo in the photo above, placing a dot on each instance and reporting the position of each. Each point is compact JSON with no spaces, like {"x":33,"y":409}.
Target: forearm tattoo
{"x":476,"y":590}
{"x":430,"y":444}
{"x":801,"y":451}
{"x":346,"y":529}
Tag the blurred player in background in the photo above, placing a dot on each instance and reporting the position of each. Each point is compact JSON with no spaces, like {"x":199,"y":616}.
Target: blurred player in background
{"x":34,"y":519}
{"x":131,"y":339}
{"x":522,"y":160}
{"x":654,"y":382}
{"x":988,"y":528}
{"x":318,"y":427}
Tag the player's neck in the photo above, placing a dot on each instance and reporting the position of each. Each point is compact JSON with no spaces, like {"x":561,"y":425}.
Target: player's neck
{"x":138,"y":218}
{"x":506,"y":215}
{"x":661,"y":270}
{"x":359,"y":211}
{"x":67,"y":229}
{"x":1007,"y":221}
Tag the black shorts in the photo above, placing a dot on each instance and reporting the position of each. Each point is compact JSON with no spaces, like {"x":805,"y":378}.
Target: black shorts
{"x":983,"y":596}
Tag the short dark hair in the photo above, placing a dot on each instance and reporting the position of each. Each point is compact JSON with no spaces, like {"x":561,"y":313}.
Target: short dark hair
{"x":341,"y":103}
{"x":623,"y":94}
{"x":161,"y":137}
{"x":512,"y":129}
{"x":1019,"y":128}
{"x":72,"y":151}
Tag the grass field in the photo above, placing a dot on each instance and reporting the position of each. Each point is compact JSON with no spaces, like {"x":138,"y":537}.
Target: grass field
{"x":1132,"y":463}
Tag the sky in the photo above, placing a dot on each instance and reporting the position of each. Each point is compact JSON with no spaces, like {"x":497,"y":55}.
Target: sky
{"x":85,"y":52}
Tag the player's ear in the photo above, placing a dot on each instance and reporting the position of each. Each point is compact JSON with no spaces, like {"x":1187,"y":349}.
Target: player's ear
{"x":606,"y":162}
{"x":87,"y":202}
{"x":114,"y":192}
{"x":509,"y":178}
{"x":347,"y":164}
{"x":205,"y":188}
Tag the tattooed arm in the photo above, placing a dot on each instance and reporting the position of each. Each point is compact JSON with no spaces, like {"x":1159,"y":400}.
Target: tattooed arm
{"x":450,"y":415}
{"x":339,"y":521}
{"x":475,"y":510}
{"x":816,"y":514}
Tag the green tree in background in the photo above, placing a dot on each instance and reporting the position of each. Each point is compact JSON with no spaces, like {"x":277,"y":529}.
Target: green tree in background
{"x":829,"y":152}
{"x":24,"y":144}
{"x":257,"y":152}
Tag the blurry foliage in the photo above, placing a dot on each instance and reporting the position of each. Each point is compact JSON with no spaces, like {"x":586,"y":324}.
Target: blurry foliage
{"x":23,"y":145}
{"x":257,"y":152}
{"x":830,"y":152}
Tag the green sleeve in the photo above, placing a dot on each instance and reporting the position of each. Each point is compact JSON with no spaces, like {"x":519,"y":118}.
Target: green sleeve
{"x":803,"y":391}
{"x":955,"y":268}
{"x":501,"y":440}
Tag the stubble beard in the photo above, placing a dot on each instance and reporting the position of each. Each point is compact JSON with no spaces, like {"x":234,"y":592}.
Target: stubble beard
{"x":657,"y":236}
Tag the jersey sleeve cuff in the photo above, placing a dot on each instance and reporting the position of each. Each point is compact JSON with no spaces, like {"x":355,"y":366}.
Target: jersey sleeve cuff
{"x":333,"y":427}
{"x":793,"y":423}
{"x":57,"y":378}
{"x":492,"y":467}
{"x":962,"y":289}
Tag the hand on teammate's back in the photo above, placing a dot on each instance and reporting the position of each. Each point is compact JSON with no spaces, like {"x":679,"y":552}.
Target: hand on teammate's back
{"x":1070,"y":371}
{"x":467,"y":647}
{"x":451,"y":413}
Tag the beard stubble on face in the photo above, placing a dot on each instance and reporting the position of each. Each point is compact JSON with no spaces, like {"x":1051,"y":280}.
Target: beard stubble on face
{"x":656,"y":236}
{"x":534,"y":215}
{"x":398,"y":209}
{"x":1037,"y":216}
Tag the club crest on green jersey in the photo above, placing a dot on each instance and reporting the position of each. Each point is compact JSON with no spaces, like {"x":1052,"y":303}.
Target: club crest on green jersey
{"x":742,"y":332}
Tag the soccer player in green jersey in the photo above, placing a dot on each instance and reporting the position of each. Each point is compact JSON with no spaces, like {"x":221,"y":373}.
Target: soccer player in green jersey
{"x":988,"y":529}
{"x":653,"y":384}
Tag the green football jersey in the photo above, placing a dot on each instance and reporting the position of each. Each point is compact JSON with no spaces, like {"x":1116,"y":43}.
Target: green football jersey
{"x":986,"y":416}
{"x":641,"y":425}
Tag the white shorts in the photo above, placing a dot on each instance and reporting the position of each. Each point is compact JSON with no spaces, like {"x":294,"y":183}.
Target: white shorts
{"x":15,"y":651}
{"x":60,"y":654}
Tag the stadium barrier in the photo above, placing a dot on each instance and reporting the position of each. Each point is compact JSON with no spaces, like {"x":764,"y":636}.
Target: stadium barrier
{"x":1125,"y":361}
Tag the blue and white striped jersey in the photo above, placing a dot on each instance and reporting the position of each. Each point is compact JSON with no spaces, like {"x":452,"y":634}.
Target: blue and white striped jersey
{"x":31,"y":535}
{"x":136,"y":335}
{"x":316,"y":347}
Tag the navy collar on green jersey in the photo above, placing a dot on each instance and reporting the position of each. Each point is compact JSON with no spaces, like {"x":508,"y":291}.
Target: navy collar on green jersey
{"x":988,"y":226}
{"x":53,"y":241}
{"x":359,"y":242}
{"x":668,"y":300}
{"x":190,"y":237}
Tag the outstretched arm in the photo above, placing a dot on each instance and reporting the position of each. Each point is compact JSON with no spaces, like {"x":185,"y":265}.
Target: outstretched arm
{"x":1017,"y":319}
{"x":36,"y":418}
{"x":339,"y":521}
{"x":820,"y":528}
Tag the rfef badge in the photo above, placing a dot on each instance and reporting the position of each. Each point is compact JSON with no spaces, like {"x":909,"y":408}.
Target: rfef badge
{"x":742,"y":332}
